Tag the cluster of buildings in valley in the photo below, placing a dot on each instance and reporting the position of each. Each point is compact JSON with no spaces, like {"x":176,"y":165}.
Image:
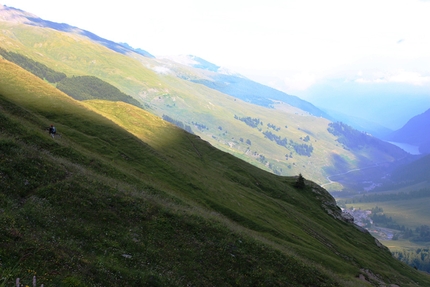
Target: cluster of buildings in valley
{"x":362,"y":218}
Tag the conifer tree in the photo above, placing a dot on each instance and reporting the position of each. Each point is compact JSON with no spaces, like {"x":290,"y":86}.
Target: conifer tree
{"x":300,"y":182}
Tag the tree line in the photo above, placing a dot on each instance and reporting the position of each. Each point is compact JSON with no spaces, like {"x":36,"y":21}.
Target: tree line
{"x":90,"y":87}
{"x":420,"y":234}
{"x":178,"y":123}
{"x":280,"y":141}
{"x":302,"y":149}
{"x":418,"y":258}
{"x":347,"y":136}
{"x":421,"y":193}
{"x":252,"y":122}
{"x":80,"y":88}
{"x":201,"y":127}
{"x":272,"y":126}
{"x":351,"y":138}
{"x":38,"y":69}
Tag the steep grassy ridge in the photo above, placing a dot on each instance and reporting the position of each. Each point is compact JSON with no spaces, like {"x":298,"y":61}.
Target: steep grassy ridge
{"x":135,"y":201}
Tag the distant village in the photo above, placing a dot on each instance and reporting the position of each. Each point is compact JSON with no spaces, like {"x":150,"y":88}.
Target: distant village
{"x":362,"y":219}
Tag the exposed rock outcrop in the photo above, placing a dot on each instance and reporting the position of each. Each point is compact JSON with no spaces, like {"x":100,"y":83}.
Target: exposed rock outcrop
{"x":329,"y":203}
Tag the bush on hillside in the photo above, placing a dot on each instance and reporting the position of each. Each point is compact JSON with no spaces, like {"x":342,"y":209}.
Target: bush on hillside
{"x":302,"y":149}
{"x":271,"y":136}
{"x":177,"y":123}
{"x":252,"y":122}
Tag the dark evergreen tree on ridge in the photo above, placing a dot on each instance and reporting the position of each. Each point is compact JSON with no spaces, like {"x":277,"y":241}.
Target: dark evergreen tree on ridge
{"x":300,"y":182}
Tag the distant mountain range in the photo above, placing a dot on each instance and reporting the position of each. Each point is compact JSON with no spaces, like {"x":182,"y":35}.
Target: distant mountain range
{"x":416,"y":172}
{"x":415,"y":132}
{"x":390,"y":105}
{"x":360,"y":124}
{"x":247,"y":90}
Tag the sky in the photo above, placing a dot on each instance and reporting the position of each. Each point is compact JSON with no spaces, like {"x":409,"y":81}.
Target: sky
{"x":298,"y":46}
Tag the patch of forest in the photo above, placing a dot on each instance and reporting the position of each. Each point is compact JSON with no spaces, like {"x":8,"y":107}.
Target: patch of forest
{"x":306,"y":139}
{"x":280,"y":141}
{"x":382,"y":197}
{"x":38,"y":69}
{"x":178,"y":123}
{"x":201,"y":127}
{"x":348,"y":136}
{"x":418,"y":258}
{"x":248,"y":141}
{"x":252,"y":122}
{"x":351,"y":138}
{"x":80,"y":88}
{"x":272,"y":126}
{"x":419,"y":234}
{"x":89,"y":87}
{"x":302,"y":149}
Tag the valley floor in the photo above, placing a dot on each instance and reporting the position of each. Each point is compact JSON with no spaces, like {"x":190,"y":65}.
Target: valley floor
{"x":407,"y":249}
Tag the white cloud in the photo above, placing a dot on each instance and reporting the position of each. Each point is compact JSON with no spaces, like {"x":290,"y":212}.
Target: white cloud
{"x":299,"y":81}
{"x":400,"y":76}
{"x":409,"y":78}
{"x":161,"y":70}
{"x":307,"y":40}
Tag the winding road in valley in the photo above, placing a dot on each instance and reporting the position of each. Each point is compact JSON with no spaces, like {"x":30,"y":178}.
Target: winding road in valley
{"x":358,"y":169}
{"x":349,"y":171}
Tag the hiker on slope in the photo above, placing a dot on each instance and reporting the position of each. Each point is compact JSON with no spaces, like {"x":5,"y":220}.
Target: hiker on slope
{"x":52,"y":131}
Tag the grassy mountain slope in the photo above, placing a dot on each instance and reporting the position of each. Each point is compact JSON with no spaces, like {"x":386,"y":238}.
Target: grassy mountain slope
{"x":413,"y":173}
{"x":246,"y":89}
{"x":156,"y":84}
{"x":236,"y":85}
{"x":101,"y":206}
{"x":17,"y":15}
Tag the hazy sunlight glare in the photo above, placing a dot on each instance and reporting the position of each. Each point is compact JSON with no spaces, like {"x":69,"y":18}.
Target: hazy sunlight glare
{"x":293,"y":46}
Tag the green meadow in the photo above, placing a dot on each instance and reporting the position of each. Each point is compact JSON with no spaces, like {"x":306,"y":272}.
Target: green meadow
{"x":407,"y":210}
{"x":411,"y":213}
